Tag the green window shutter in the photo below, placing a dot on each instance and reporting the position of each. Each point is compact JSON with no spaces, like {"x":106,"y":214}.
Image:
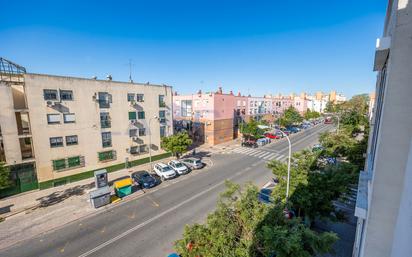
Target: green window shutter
{"x":73,"y":161}
{"x":103,"y":156}
{"x":141,"y":115}
{"x":59,"y":164}
{"x":132,"y":115}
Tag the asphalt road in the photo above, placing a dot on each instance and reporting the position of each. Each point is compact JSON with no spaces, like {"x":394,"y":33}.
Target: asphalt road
{"x":148,"y":225}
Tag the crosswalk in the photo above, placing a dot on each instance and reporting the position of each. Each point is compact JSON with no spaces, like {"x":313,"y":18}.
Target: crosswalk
{"x":261,"y":154}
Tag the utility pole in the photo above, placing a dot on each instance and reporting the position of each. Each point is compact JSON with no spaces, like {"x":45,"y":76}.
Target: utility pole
{"x":130,"y":70}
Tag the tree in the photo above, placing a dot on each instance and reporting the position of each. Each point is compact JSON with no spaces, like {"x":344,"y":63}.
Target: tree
{"x":4,"y":176}
{"x":311,"y":114}
{"x":290,"y":116}
{"x":241,"y":226}
{"x":251,"y":128}
{"x":176,"y":144}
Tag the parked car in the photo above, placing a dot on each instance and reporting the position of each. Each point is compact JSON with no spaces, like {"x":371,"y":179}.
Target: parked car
{"x":250,"y":143}
{"x":271,"y":135}
{"x":263,"y":141}
{"x":317,"y":147}
{"x":265,"y":195}
{"x":179,"y":167}
{"x":293,"y":129}
{"x":279,"y":134}
{"x":286,"y":131}
{"x":144,"y":179}
{"x":164,"y":171}
{"x":193,"y":163}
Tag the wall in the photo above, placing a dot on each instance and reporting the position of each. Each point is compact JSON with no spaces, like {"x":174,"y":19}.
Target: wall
{"x":87,"y":125}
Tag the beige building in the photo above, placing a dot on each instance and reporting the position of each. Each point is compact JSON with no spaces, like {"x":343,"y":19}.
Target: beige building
{"x":384,"y":201}
{"x":61,"y":126}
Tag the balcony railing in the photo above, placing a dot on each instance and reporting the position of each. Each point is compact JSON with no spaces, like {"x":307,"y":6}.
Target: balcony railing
{"x":105,"y":124}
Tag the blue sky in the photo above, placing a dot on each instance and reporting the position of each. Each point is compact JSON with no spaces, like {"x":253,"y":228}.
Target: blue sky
{"x":256,"y":47}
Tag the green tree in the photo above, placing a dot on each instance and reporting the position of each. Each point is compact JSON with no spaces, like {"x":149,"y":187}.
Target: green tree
{"x":4,"y":176}
{"x":311,"y":114}
{"x":176,"y":144}
{"x":251,"y":129}
{"x":242,"y":226}
{"x":290,"y":116}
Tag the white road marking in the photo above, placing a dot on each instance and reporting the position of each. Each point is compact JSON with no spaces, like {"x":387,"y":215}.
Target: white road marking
{"x":270,"y":157}
{"x":266,"y":154}
{"x":131,"y":230}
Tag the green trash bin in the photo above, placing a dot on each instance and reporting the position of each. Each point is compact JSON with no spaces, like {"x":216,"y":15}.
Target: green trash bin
{"x":123,"y":187}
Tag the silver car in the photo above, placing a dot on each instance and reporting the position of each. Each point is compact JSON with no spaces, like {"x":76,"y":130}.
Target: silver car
{"x":193,"y":163}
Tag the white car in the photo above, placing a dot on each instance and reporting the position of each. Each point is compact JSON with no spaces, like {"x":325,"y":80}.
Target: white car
{"x":164,"y":171}
{"x":179,"y":167}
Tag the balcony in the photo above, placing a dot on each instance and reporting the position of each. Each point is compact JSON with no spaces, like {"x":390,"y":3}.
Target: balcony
{"x":23,"y":123}
{"x":26,"y":148}
{"x":105,"y":124}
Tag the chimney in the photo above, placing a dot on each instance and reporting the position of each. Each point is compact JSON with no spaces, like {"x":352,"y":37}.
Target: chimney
{"x":238,"y":94}
{"x":199,"y":92}
{"x":109,"y":77}
{"x":231,"y":92}
{"x":94,"y":77}
{"x":220,"y":90}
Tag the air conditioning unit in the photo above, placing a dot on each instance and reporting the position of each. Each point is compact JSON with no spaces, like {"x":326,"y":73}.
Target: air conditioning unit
{"x":49,"y":103}
{"x":132,"y":103}
{"x":134,"y":138}
{"x":95,"y":97}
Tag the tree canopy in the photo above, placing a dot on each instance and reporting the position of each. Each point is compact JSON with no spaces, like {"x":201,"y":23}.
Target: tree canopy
{"x":251,"y":128}
{"x":176,"y":144}
{"x":289,"y":117}
{"x":311,"y":115}
{"x":242,"y":226}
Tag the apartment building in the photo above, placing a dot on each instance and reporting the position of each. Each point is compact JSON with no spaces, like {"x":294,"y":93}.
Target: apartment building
{"x":260,"y":108}
{"x":384,"y":200}
{"x":210,"y":118}
{"x":53,"y":127}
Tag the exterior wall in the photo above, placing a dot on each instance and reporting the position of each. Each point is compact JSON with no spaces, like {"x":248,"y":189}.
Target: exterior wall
{"x":87,"y":125}
{"x":385,"y":231}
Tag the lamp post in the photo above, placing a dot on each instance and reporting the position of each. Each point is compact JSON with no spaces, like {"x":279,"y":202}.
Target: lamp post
{"x":150,"y":142}
{"x":290,"y":155}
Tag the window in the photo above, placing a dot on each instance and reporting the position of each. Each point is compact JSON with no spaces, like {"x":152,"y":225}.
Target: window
{"x":162,"y":101}
{"x":105,"y":121}
{"x":66,"y":95}
{"x":104,"y":100}
{"x":143,"y":149}
{"x":132,"y":115}
{"x":69,"y":118}
{"x":186,"y":108}
{"x":140,"y":97}
{"x":59,"y":164}
{"x":133,"y":133}
{"x":142,"y":132}
{"x":73,"y":161}
{"x":53,"y":118}
{"x":162,"y":131}
{"x":107,"y":156}
{"x":50,"y":94}
{"x":56,"y":142}
{"x":140,"y":115}
{"x":71,"y":140}
{"x":134,"y":150}
{"x":162,"y":116}
{"x":130,"y":97}
{"x":106,"y":139}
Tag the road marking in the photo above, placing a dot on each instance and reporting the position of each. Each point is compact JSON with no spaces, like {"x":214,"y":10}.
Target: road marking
{"x":266,"y":155}
{"x":154,"y":203}
{"x":158,"y":216}
{"x":271,"y":156}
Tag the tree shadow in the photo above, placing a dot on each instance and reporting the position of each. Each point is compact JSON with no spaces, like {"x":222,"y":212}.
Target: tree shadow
{"x":60,"y":196}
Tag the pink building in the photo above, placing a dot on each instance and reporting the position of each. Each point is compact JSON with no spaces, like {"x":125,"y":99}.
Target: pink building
{"x":212,"y":117}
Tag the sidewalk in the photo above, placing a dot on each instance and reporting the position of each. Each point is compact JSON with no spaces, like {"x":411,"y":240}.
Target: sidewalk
{"x":33,"y":213}
{"x":29,"y":214}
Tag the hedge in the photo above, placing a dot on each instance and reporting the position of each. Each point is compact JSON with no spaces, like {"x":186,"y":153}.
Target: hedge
{"x":90,"y":174}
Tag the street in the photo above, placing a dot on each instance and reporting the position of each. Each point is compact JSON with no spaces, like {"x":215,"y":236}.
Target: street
{"x":148,"y":225}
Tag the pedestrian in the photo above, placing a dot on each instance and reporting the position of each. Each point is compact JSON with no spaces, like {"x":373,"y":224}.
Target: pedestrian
{"x":194,"y":152}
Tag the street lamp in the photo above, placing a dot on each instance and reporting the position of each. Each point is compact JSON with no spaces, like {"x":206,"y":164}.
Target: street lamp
{"x":150,"y":142}
{"x":289,"y":159}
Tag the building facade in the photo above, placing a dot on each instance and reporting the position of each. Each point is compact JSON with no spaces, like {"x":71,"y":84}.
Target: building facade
{"x":384,"y":200}
{"x":62,"y":126}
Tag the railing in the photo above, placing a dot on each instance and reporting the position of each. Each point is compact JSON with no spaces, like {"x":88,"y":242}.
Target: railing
{"x":105,"y":124}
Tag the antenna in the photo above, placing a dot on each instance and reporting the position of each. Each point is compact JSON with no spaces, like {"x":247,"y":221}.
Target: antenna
{"x":130,"y":70}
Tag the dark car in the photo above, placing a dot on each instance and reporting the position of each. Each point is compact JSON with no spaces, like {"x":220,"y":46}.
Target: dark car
{"x":265,"y":195}
{"x":144,"y":179}
{"x":293,"y":129}
{"x":250,"y":143}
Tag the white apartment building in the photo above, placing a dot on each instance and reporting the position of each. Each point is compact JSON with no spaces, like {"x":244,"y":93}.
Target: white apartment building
{"x":384,"y":201}
{"x":54,"y":127}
